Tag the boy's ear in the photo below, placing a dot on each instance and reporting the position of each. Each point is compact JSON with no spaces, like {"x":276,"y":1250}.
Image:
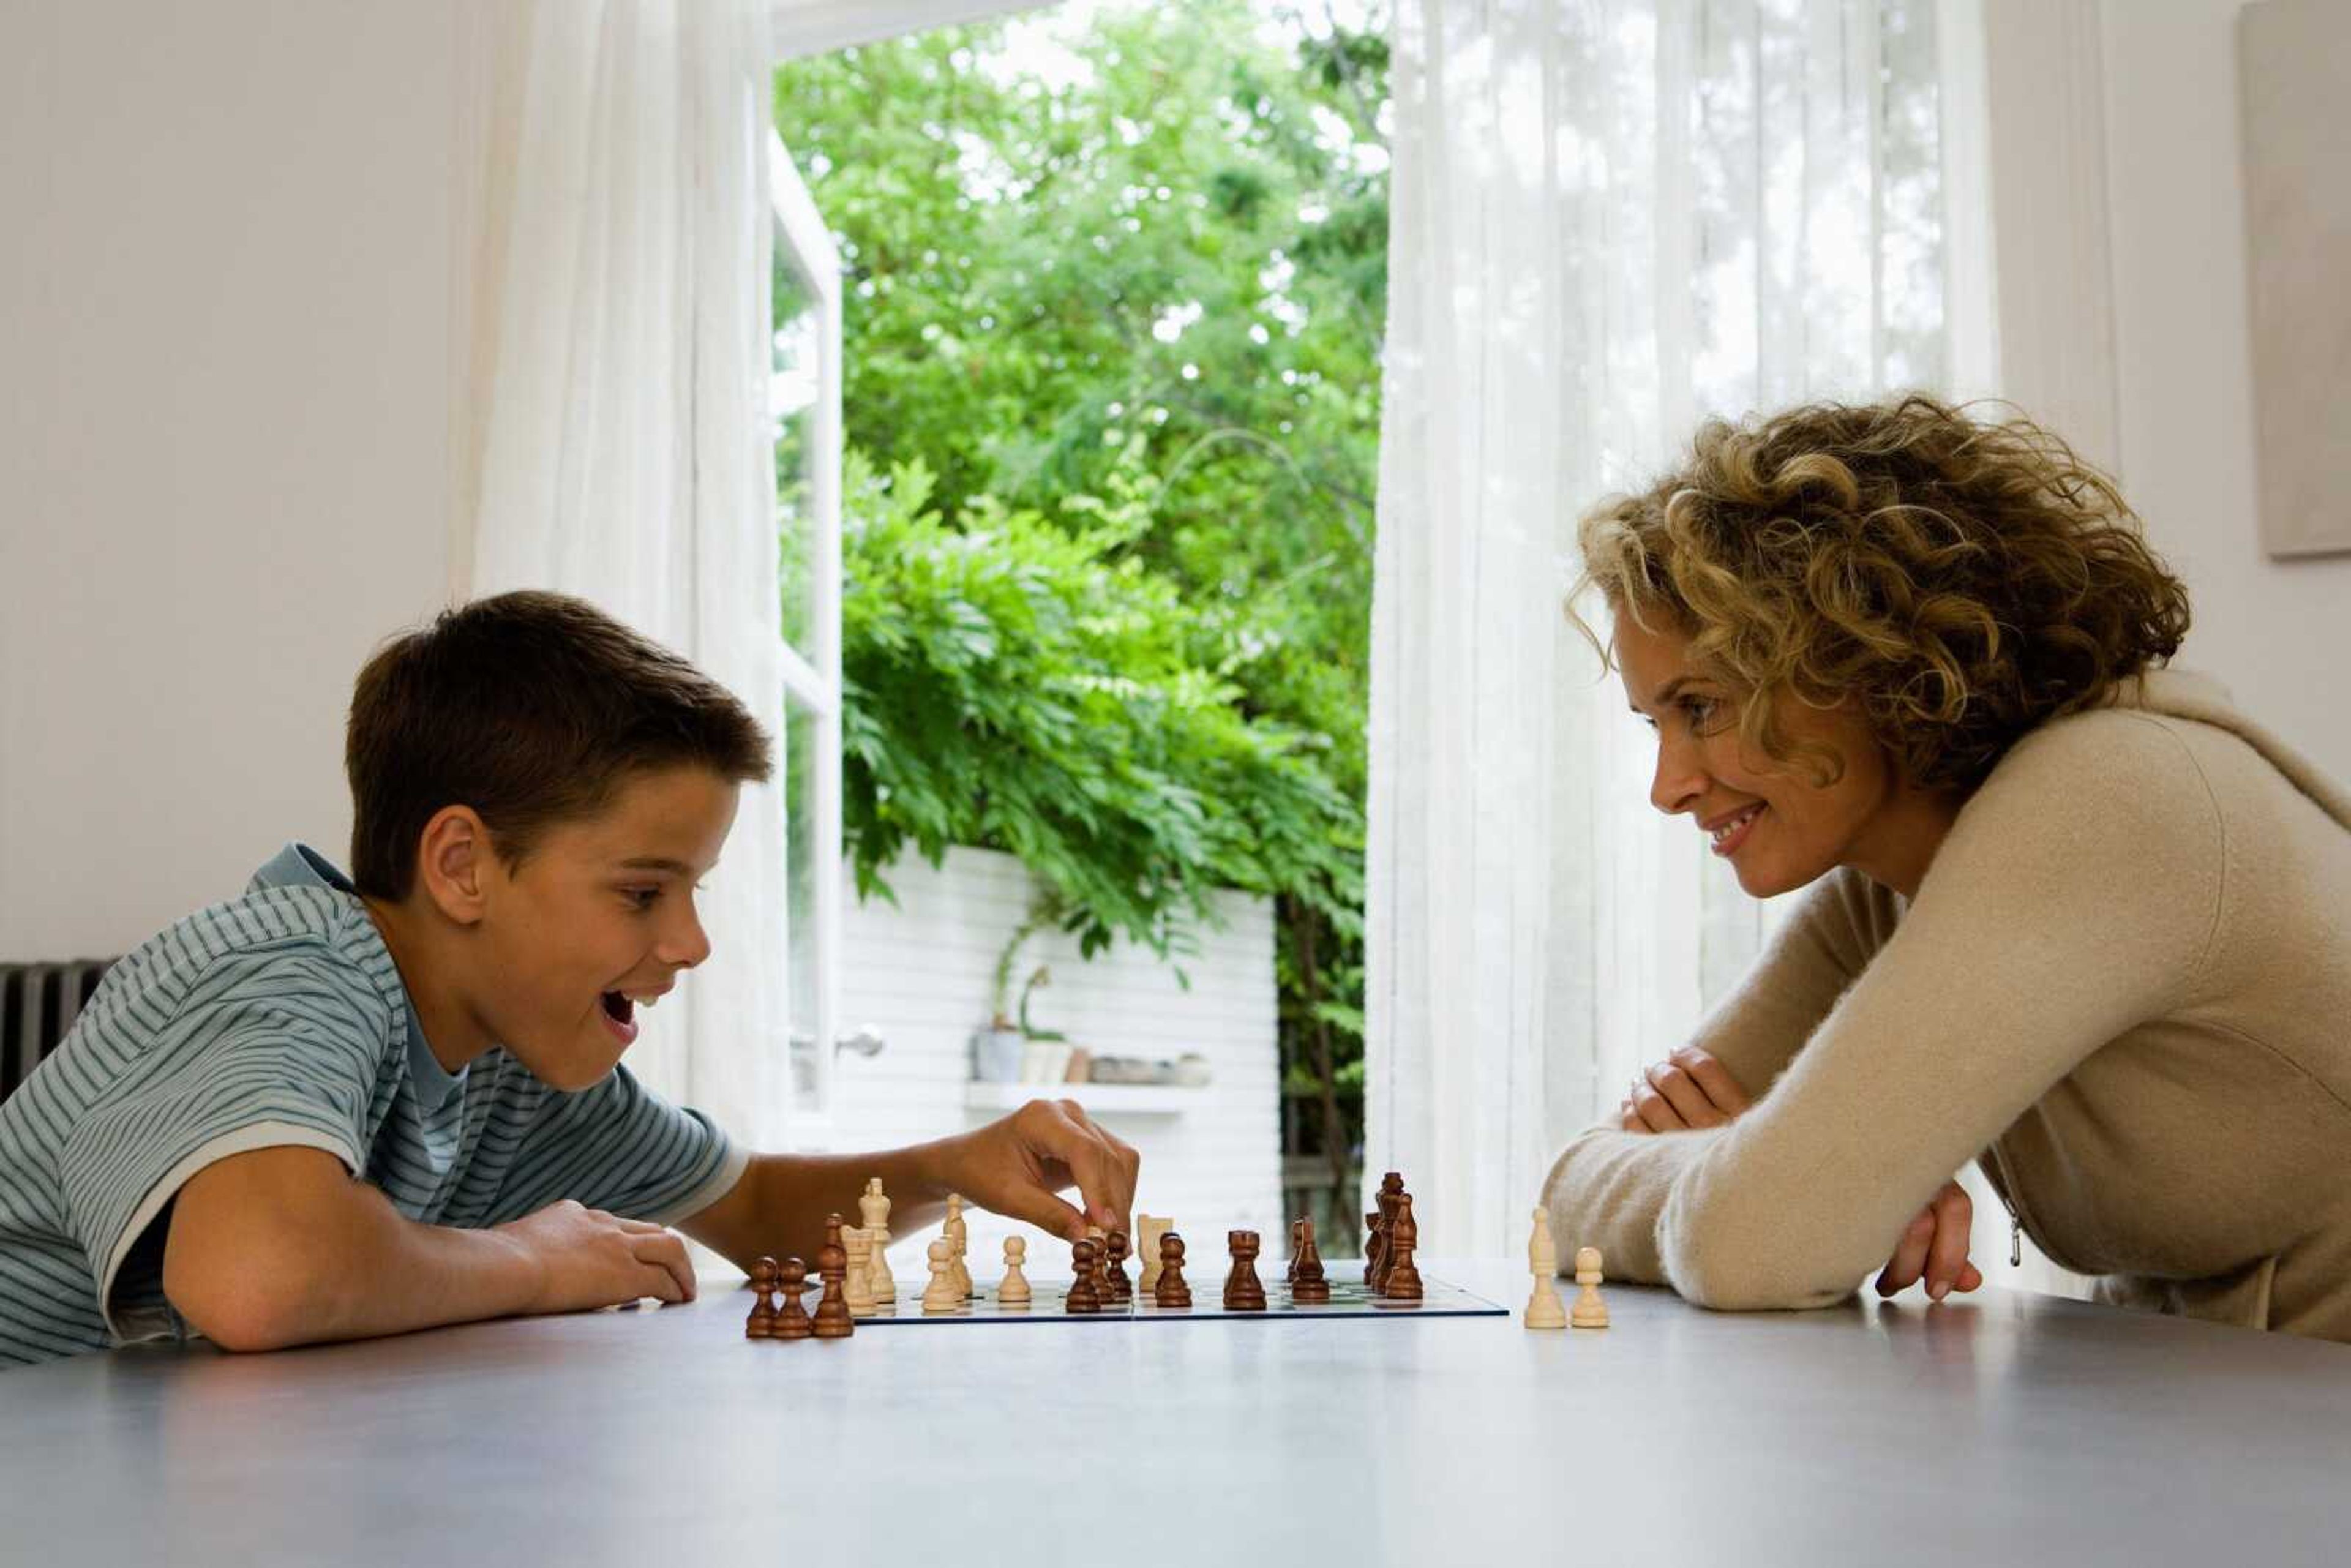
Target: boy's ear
{"x":453,"y":863}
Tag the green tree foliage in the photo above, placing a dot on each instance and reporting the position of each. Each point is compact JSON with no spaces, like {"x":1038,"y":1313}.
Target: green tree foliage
{"x":1154,"y":278}
{"x":1015,"y":682}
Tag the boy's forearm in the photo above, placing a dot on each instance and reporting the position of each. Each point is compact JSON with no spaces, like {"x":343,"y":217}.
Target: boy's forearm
{"x":781,"y":1208}
{"x":401,"y":1274}
{"x":352,"y":1267}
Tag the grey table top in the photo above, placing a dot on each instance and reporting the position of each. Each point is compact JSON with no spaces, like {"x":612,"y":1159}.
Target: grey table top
{"x":2003,"y":1427}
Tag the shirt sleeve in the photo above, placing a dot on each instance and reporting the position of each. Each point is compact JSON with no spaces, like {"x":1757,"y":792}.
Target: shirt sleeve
{"x":2076,"y":897}
{"x":621,"y":1148}
{"x":1605,"y":1189}
{"x":270,"y":1049}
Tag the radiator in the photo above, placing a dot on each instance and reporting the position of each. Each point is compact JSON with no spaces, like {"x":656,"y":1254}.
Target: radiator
{"x":39,"y":1003}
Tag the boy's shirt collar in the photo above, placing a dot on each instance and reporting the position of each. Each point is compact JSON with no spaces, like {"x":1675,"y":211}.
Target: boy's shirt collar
{"x":300,"y":865}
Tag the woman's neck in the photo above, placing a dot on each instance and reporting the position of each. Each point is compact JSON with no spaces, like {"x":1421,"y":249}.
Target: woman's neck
{"x":1898,"y":845}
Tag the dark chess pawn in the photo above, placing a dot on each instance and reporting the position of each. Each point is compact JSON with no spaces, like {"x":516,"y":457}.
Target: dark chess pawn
{"x":1404,"y":1240}
{"x":761,"y":1324}
{"x":1083,"y":1297}
{"x":1372,"y":1252}
{"x":1170,"y":1290}
{"x":1308,"y":1282}
{"x":1242,"y":1291}
{"x":833,"y":1319}
{"x":1121,"y":1287}
{"x":793,"y":1321}
{"x":1390,"y":1189}
{"x":1289,"y":1275}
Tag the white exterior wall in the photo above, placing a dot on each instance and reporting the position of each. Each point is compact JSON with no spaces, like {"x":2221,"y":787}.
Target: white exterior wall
{"x":921,"y":972}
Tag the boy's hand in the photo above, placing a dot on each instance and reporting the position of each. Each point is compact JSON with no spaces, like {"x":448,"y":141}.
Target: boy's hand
{"x":1688,"y":1090}
{"x":586,"y":1259}
{"x":1019,"y":1165}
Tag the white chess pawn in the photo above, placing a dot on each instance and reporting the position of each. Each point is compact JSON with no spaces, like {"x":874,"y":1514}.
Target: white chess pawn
{"x":874,"y":1209}
{"x":1148,"y":1229}
{"x":1591,"y":1312}
{"x":959,"y":1241}
{"x":1013,"y":1290}
{"x":858,"y":1243}
{"x":941,"y":1295}
{"x":1544,"y":1309}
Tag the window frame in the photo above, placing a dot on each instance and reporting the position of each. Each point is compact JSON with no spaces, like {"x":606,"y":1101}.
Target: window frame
{"x":811,"y":676}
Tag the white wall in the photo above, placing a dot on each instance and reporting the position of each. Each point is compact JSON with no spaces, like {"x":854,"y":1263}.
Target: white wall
{"x":2114,"y":150}
{"x":2278,"y":633}
{"x":922,"y":971}
{"x":226,"y":292}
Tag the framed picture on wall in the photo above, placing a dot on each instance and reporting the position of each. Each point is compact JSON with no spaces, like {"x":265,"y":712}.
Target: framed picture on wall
{"x":2295,"y":74}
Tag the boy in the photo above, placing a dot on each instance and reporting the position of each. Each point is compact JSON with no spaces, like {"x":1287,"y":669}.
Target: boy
{"x":332,"y":1108}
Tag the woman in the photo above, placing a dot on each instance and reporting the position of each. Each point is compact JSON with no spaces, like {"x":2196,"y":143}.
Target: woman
{"x":2064,"y":911}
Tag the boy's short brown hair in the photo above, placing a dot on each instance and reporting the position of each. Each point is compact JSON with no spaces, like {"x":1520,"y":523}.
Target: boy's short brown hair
{"x":532,"y":708}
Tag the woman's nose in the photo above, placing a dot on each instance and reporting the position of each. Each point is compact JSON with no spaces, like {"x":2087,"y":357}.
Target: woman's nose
{"x":1678,"y":781}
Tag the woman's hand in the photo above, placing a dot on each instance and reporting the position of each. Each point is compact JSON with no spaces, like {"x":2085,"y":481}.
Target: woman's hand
{"x":1019,"y":1165}
{"x":1688,"y":1090}
{"x":1934,"y":1246}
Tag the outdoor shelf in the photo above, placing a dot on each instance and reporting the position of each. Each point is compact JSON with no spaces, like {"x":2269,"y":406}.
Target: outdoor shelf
{"x":1129,"y":1098}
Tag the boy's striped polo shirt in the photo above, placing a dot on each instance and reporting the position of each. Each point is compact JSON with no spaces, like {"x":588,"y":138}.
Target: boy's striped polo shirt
{"x":279,"y":1018}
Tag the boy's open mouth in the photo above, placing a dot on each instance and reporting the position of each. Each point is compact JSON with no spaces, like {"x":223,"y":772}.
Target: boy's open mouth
{"x":619,"y":1007}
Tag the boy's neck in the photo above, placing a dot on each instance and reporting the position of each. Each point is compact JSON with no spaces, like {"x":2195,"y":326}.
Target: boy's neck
{"x":452,"y":1032}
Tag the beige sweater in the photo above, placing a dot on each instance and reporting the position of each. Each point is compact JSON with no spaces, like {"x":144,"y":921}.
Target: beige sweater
{"x":2124,"y":986}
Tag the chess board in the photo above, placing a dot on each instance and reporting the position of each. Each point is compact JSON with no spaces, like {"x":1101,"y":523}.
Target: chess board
{"x":1349,"y":1299}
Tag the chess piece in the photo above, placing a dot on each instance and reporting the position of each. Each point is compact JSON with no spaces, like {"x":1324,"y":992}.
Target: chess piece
{"x":1544,"y":1309}
{"x":1121,"y":1289}
{"x":1082,"y":1296}
{"x":1289,"y":1275}
{"x":858,"y":1243}
{"x":1169,"y":1288}
{"x":1149,"y":1229}
{"x":1308,"y":1282}
{"x":1012,"y":1291}
{"x":1590,"y":1310}
{"x":1391,"y":1190}
{"x":833,"y":1319}
{"x":791,"y":1319}
{"x":941,"y":1295}
{"x":1372,"y":1253}
{"x":1402,"y":1282}
{"x":1100,"y":1273}
{"x":958,"y":1243}
{"x":874,"y":1209}
{"x":761,"y":1324}
{"x":1242,"y":1291}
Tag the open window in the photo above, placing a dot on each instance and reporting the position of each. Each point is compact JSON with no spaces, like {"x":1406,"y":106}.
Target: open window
{"x":804,"y":409}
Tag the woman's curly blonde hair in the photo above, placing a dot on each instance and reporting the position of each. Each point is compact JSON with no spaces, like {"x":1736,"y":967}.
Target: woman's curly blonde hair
{"x":1958,"y":582}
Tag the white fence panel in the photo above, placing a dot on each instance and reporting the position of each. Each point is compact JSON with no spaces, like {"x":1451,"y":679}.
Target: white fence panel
{"x":921,"y":973}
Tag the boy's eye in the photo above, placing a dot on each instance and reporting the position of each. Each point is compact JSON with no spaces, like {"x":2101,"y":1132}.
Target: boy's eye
{"x":642,"y":898}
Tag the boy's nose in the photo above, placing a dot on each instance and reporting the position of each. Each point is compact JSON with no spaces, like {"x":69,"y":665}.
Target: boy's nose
{"x":687,"y":946}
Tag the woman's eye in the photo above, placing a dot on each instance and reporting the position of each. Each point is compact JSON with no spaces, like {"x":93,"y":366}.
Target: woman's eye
{"x":1700,"y":711}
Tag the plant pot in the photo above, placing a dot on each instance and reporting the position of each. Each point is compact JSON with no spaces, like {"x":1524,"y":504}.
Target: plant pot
{"x":996,"y":1055}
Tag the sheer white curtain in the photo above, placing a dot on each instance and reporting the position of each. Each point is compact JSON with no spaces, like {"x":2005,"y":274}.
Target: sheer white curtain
{"x":615,"y":438}
{"x":1609,"y":218}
